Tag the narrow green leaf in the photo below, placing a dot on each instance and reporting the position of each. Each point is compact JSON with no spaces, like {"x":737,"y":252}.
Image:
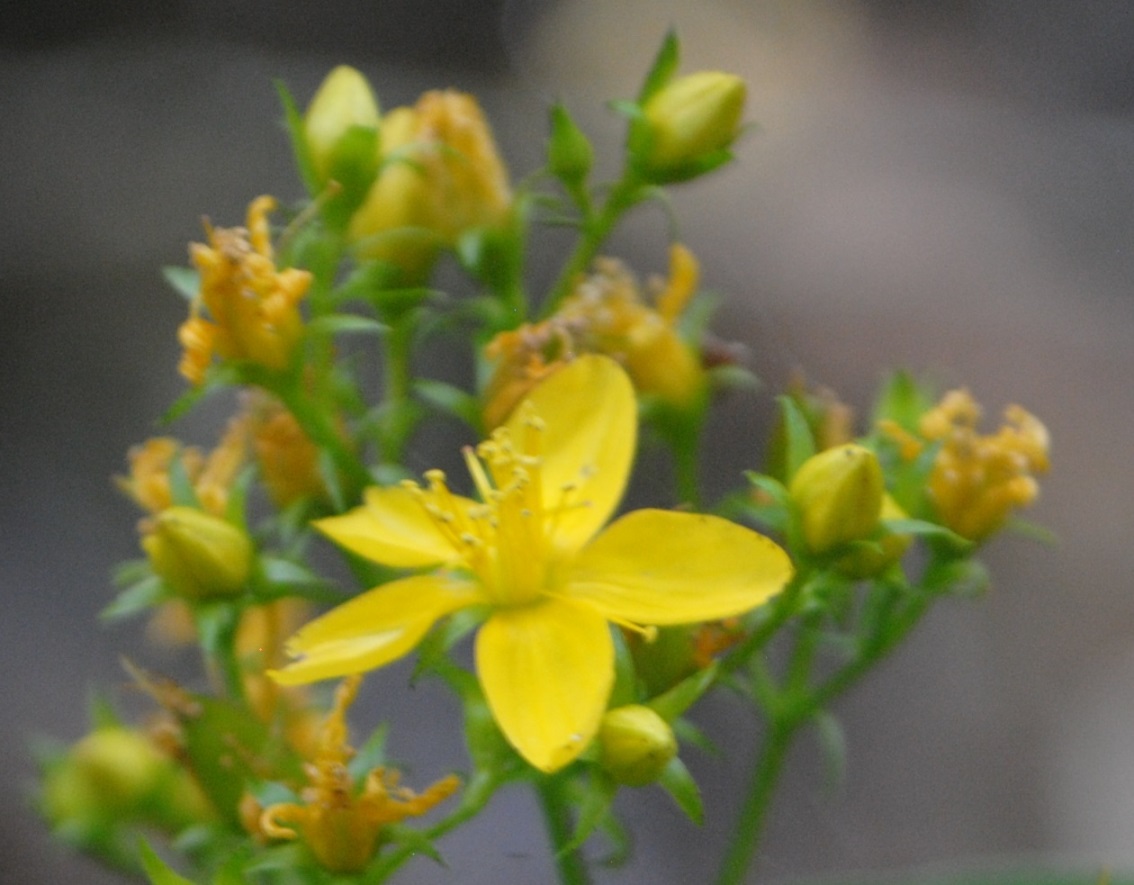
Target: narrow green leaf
{"x":345,"y":323}
{"x":663,"y":68}
{"x":144,"y":594}
{"x":186,"y":280}
{"x":156,"y":869}
{"x":799,"y":445}
{"x":683,"y":695}
{"x":678,"y":782}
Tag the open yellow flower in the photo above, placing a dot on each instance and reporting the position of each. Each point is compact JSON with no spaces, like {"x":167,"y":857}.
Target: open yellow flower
{"x":531,"y":553}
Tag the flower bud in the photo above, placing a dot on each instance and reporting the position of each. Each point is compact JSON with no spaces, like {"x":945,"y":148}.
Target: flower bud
{"x":635,"y":744}
{"x":691,"y":118}
{"x":838,"y":494}
{"x":198,"y":555}
{"x":344,"y":101}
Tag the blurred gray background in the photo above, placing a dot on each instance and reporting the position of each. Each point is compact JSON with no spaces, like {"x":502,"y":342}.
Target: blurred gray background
{"x":945,"y":186}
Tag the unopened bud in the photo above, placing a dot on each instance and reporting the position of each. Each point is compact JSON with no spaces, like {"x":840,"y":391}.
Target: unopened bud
{"x":692,"y":117}
{"x":198,"y":555}
{"x":344,"y":102}
{"x":838,"y":495}
{"x":636,"y":745}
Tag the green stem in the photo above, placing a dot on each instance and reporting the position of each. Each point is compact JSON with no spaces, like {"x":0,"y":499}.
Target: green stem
{"x":596,"y":228}
{"x":569,"y":863}
{"x":753,"y":814}
{"x":322,"y":432}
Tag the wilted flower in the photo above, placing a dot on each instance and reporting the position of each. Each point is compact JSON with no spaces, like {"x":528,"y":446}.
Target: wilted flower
{"x":339,"y":822}
{"x":441,"y":176}
{"x":253,"y":308}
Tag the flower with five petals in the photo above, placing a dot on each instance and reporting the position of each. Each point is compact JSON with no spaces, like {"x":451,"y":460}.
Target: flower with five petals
{"x":532,"y":553}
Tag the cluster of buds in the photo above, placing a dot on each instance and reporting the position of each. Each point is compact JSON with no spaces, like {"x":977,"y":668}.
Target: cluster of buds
{"x":432,"y":175}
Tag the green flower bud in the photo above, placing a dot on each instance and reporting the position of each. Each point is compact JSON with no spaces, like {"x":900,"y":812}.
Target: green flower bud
{"x":635,"y":745}
{"x":691,"y":118}
{"x":838,"y":495}
{"x":198,"y":555}
{"x":344,"y":102}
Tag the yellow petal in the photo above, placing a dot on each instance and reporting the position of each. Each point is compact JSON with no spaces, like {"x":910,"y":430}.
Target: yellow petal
{"x":373,"y":629}
{"x":591,"y":419}
{"x":392,"y":528}
{"x":662,"y":567}
{"x":547,"y":671}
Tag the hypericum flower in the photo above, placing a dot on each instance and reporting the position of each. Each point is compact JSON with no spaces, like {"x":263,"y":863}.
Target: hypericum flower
{"x":441,"y":176}
{"x":977,"y":481}
{"x":340,"y":824}
{"x":253,"y":307}
{"x":531,"y":555}
{"x":606,"y":314}
{"x":198,"y":555}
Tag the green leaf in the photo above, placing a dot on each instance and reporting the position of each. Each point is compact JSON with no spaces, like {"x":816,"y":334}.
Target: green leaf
{"x":144,"y":594}
{"x":293,"y":122}
{"x":832,"y":742}
{"x":186,"y":280}
{"x":678,"y":782}
{"x":799,"y":444}
{"x":903,"y":401}
{"x":450,"y":399}
{"x":593,"y":809}
{"x":156,"y":869}
{"x":345,"y":323}
{"x":683,"y":695}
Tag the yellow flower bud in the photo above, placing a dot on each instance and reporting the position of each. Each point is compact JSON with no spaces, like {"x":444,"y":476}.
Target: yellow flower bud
{"x":635,"y":745}
{"x":198,"y":555}
{"x":344,"y":100}
{"x":693,"y":116}
{"x":838,"y":494}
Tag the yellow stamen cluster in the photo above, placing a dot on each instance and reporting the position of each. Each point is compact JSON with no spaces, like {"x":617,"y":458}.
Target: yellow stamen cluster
{"x":506,"y":540}
{"x":340,"y":824}
{"x":253,"y":307}
{"x":978,"y":481}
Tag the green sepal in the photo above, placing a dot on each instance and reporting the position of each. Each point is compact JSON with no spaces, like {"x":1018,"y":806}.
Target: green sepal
{"x":354,"y":165}
{"x":186,"y":281}
{"x":678,"y":782}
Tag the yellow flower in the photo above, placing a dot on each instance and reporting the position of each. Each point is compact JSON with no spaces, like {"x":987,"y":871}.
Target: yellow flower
{"x":977,"y":481}
{"x":343,"y":101}
{"x":441,"y":176}
{"x":340,"y":824}
{"x":531,"y":554}
{"x":253,"y":307}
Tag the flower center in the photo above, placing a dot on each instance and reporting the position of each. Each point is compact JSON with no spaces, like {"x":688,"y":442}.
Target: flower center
{"x":506,"y":540}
